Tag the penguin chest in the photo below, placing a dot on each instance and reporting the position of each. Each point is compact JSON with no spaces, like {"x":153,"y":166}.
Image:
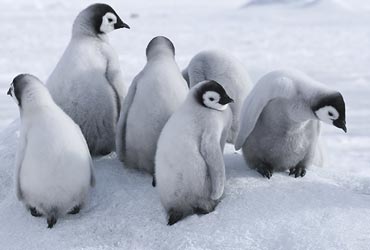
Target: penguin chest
{"x":287,"y":150}
{"x":79,"y":83}
{"x":282,"y":150}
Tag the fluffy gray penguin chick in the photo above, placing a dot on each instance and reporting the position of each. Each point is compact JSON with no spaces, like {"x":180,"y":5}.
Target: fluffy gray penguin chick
{"x":280,"y":121}
{"x":87,"y":82}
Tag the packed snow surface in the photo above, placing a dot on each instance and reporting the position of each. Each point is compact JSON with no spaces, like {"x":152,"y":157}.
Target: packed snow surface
{"x":327,"y":209}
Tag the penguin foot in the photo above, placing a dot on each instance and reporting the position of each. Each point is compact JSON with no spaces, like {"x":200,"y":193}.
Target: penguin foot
{"x":298,"y":171}
{"x":103,"y":152}
{"x":154,"y":182}
{"x":75,"y":210}
{"x":34,"y":212}
{"x":174,"y":216}
{"x":202,"y":210}
{"x":205,"y":208}
{"x":265,"y":172}
{"x":51,"y":221}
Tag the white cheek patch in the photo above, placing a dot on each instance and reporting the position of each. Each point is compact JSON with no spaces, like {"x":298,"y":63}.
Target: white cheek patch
{"x":220,"y":107}
{"x":327,"y":114}
{"x":108,"y":22}
{"x":211,"y":99}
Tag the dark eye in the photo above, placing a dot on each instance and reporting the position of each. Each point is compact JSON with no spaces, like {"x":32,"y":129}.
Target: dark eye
{"x":211,"y":99}
{"x":110,"y":20}
{"x":330,"y":113}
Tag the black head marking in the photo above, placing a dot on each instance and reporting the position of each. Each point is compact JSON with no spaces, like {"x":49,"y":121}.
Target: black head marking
{"x":336,"y":101}
{"x":214,"y":86}
{"x":98,"y":10}
{"x":18,"y":85}
{"x":160,"y":40}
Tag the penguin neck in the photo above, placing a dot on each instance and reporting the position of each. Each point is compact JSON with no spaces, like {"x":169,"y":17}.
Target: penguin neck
{"x":35,"y":100}
{"x":83,"y":29}
{"x":91,"y":35}
{"x":159,"y":54}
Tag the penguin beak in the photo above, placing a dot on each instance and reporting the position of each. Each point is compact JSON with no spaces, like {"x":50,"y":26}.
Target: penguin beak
{"x":341,"y":125}
{"x":225,"y":100}
{"x":229,"y":100}
{"x":9,"y":92}
{"x":120,"y":24}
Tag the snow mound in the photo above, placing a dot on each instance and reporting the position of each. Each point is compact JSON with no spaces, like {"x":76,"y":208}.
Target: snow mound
{"x":124,"y":212}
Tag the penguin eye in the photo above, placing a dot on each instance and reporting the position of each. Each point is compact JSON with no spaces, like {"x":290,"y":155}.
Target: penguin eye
{"x":330,"y":113}
{"x":211,"y":99}
{"x":110,"y":20}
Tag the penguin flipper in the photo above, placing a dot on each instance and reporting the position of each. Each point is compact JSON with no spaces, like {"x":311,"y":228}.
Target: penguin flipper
{"x":268,"y":88}
{"x":18,"y":163}
{"x":121,"y":125}
{"x":114,"y":76}
{"x":211,"y":152}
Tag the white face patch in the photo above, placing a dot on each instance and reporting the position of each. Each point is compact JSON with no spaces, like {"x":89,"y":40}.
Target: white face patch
{"x":211,"y":99}
{"x":327,"y":114}
{"x":108,"y":22}
{"x":12,"y":92}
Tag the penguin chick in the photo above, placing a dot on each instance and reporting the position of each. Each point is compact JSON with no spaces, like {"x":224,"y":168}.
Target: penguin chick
{"x":53,"y":165}
{"x":189,"y":164}
{"x":87,"y":82}
{"x":225,"y":69}
{"x":280,"y":121}
{"x":155,"y":93}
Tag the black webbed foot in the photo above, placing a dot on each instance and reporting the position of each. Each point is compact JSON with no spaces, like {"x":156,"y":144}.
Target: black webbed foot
{"x":34,"y":212}
{"x":174,"y":216}
{"x":51,"y":221}
{"x":298,"y":171}
{"x":205,"y":207}
{"x":202,"y":211}
{"x":265,"y":172}
{"x":75,"y":210}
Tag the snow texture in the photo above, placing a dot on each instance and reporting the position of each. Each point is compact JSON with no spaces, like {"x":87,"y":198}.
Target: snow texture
{"x":327,"y":209}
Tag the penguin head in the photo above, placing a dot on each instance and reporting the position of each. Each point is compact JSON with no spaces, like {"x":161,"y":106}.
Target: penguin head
{"x":331,"y":109}
{"x":24,"y":88}
{"x":212,"y":95}
{"x":98,"y":19}
{"x":160,"y":45}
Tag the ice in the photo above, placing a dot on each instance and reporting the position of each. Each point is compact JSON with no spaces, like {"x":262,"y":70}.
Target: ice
{"x":327,"y":209}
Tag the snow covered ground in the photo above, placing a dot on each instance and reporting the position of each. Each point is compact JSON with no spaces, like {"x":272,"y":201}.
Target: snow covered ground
{"x":327,"y":209}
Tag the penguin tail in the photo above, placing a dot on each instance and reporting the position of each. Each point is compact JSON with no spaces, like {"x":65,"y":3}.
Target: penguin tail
{"x":52,"y":217}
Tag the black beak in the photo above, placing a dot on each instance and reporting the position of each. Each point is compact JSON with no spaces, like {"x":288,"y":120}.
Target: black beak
{"x":341,"y":124}
{"x":120,"y":24}
{"x":9,"y":92}
{"x":225,"y":100}
{"x":229,"y":100}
